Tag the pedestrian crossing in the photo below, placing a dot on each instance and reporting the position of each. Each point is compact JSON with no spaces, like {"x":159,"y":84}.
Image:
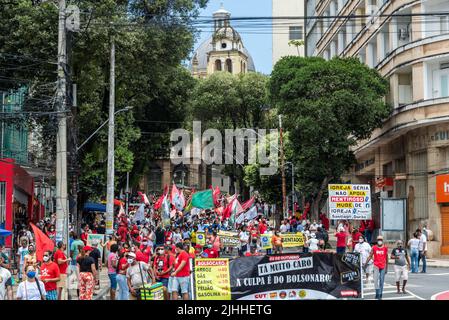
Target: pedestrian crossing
{"x":389,"y":292}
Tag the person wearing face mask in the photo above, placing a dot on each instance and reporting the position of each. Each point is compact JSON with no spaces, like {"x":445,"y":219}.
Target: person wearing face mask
{"x":401,"y":265}
{"x":137,"y":275}
{"x":21,"y":253}
{"x":163,"y":265}
{"x":364,"y":249}
{"x":379,"y":254}
{"x":51,"y":233}
{"x":123,"y":290}
{"x":30,"y":259}
{"x":50,"y":275}
{"x":31,"y":288}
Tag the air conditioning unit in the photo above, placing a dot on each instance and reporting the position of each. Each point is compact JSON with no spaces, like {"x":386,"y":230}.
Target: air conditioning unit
{"x":403,"y":33}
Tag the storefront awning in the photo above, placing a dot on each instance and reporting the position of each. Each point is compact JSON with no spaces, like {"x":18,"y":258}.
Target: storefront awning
{"x":94,"y":207}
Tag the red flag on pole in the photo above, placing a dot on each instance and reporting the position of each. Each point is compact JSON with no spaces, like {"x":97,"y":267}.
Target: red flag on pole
{"x":159,"y":201}
{"x":306,"y":210}
{"x":43,"y":243}
{"x":215,"y":194}
{"x":248,"y":204}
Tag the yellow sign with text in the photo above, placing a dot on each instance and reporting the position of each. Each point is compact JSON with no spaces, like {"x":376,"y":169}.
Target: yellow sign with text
{"x":212,"y":279}
{"x":201,"y":238}
{"x":290,"y":240}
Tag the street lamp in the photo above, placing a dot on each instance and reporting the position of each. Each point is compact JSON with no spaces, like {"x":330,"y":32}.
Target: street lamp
{"x":99,"y":128}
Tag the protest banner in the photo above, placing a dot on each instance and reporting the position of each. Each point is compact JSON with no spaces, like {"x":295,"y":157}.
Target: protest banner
{"x":265,"y":241}
{"x":349,"y":201}
{"x":296,"y":276}
{"x":212,"y":279}
{"x":290,"y":240}
{"x":229,"y":239}
{"x":201,"y":238}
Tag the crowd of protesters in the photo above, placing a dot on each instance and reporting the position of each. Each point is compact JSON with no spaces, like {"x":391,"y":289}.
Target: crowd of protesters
{"x":147,"y":252}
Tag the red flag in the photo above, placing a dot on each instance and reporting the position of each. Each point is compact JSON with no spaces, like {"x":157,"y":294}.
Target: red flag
{"x":43,"y":243}
{"x":159,"y":201}
{"x":174,"y":192}
{"x":306,"y":210}
{"x":248,"y":204}
{"x":143,"y":198}
{"x":215,"y":194}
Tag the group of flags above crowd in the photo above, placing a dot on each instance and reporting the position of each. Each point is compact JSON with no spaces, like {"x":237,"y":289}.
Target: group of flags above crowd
{"x":225,"y":207}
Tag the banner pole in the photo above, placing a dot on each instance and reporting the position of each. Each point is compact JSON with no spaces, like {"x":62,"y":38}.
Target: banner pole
{"x":361,"y":277}
{"x":192,"y":278}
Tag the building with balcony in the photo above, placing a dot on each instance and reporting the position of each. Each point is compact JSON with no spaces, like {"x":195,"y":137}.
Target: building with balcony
{"x":285,"y":30}
{"x":407,"y":41}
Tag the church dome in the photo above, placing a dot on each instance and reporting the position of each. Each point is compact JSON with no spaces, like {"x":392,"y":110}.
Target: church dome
{"x":201,"y":53}
{"x":223,"y":32}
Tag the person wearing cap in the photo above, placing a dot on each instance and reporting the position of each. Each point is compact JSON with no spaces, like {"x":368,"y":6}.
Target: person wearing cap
{"x":379,"y":254}
{"x":87,"y":273}
{"x":137,"y":275}
{"x":313,"y":242}
{"x":401,"y":265}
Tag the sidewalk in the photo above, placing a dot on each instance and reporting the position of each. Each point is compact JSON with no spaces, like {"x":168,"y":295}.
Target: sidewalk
{"x":98,"y":294}
{"x":431,"y":262}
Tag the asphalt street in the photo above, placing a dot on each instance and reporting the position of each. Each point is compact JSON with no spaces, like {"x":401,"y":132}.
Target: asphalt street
{"x":420,"y":286}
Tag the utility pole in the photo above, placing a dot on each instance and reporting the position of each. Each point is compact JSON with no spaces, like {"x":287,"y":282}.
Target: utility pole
{"x":284,"y":188}
{"x":110,"y":178}
{"x":62,"y":212}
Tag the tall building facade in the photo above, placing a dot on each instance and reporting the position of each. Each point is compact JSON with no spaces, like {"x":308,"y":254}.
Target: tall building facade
{"x":285,"y":29}
{"x":407,"y":41}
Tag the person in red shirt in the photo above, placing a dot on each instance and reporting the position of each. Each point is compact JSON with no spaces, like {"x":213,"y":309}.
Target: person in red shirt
{"x":85,"y":234}
{"x":61,"y":260}
{"x":51,"y":233}
{"x":341,"y":241}
{"x":254,"y":232}
{"x":324,"y":221}
{"x":355,"y":238}
{"x":210,"y":252}
{"x":369,"y":230}
{"x":172,"y":246}
{"x":379,"y":254}
{"x":163,"y":265}
{"x":181,"y":273}
{"x":123,"y":290}
{"x":252,"y":252}
{"x":122,"y":232}
{"x":262,"y":227}
{"x":50,"y":276}
{"x":168,"y":235}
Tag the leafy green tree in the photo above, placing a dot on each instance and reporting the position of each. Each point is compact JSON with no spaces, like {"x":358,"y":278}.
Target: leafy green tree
{"x":330,"y":105}
{"x":152,"y":39}
{"x":225,"y":101}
